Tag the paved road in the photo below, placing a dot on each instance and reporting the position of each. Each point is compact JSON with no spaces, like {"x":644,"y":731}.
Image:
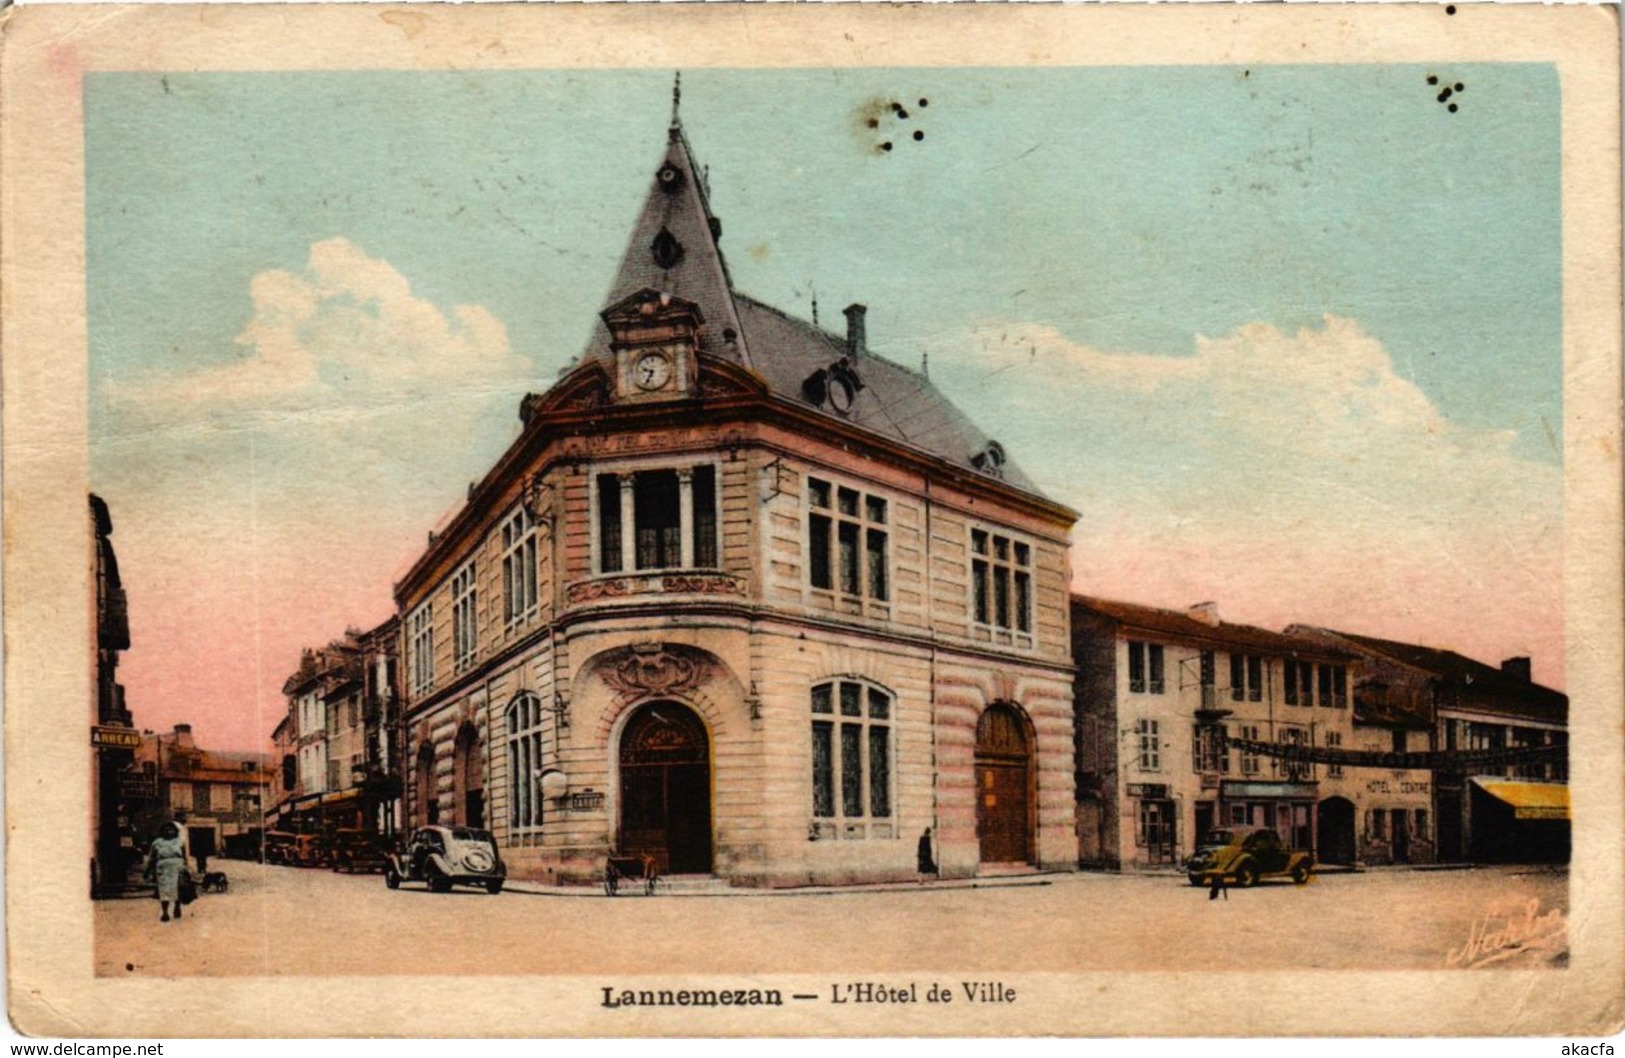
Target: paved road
{"x":286,"y":921}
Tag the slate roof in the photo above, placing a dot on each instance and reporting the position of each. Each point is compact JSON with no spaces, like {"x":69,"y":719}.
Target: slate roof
{"x":895,"y":402}
{"x":1180,"y":625}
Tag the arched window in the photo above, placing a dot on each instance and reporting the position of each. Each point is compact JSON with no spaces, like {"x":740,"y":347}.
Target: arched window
{"x":851,"y":752}
{"x":524,"y":761}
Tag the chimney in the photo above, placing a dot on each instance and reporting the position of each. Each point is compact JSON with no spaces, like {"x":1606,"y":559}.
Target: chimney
{"x":856,"y":340}
{"x":1205,"y":612}
{"x":183,"y":735}
{"x":1518,"y":669}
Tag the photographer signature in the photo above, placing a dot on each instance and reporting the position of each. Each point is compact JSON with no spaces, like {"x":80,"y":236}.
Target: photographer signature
{"x":1497,"y":937}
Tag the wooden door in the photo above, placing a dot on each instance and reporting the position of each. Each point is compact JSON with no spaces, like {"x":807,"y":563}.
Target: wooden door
{"x":1003,"y":787}
{"x":666,"y":789}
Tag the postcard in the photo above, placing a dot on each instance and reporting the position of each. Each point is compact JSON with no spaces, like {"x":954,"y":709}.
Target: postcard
{"x":812,"y":520}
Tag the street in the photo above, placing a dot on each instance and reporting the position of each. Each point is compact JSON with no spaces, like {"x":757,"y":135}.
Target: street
{"x":287,"y":921}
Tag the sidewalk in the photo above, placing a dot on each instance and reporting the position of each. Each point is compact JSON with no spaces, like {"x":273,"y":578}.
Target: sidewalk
{"x":722,"y":889}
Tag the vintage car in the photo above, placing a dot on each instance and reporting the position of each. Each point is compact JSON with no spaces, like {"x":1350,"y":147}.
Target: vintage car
{"x":447,"y":856}
{"x":1243,"y":855}
{"x":278,"y":846}
{"x":359,"y":851}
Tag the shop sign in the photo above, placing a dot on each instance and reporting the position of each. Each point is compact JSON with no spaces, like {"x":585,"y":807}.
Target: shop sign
{"x":115,"y":737}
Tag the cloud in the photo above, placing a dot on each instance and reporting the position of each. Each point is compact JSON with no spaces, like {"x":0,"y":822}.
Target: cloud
{"x":1292,"y":476}
{"x":346,"y":331}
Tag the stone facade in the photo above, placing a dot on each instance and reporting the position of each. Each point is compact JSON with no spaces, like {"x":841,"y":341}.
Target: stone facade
{"x":714,"y":607}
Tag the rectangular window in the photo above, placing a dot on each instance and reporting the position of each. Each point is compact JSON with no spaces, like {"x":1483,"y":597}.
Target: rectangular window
{"x":1150,"y":745}
{"x":1421,"y":825}
{"x":1249,"y":759}
{"x":1155,"y":683}
{"x":518,"y":568}
{"x":661,"y":502}
{"x":420,"y":628}
{"x":1290,"y":686}
{"x":1325,"y":685}
{"x":1340,"y":686}
{"x":656,"y":514}
{"x":463,"y":638}
{"x":1399,"y":741}
{"x":1238,"y":677}
{"x":1001,"y":581}
{"x":860,"y":764}
{"x":609,"y":523}
{"x":1255,"y":678}
{"x":851,"y":770}
{"x":856,"y":531}
{"x":220,"y":797}
{"x":1379,"y":819}
{"x":823,"y":768}
{"x":704,"y":525}
{"x":1136,"y":668}
{"x":1209,"y":677}
{"x":200,"y":797}
{"x":1334,"y":740}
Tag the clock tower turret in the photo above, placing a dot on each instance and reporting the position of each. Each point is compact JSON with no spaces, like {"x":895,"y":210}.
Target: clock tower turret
{"x":655,"y":339}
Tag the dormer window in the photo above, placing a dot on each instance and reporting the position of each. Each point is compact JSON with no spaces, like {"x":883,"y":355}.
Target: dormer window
{"x":990,"y":460}
{"x":657,"y":519}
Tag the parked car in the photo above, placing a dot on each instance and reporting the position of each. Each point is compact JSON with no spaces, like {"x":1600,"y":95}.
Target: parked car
{"x":447,"y":856}
{"x":358,"y":851}
{"x":1243,"y":855}
{"x":279,"y":847}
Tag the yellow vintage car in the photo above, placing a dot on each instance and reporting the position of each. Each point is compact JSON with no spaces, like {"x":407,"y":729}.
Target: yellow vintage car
{"x":1243,"y":855}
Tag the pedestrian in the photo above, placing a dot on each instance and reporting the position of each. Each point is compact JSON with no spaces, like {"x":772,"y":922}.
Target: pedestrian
{"x":166,"y":859}
{"x":1218,"y":887}
{"x":927,"y":863}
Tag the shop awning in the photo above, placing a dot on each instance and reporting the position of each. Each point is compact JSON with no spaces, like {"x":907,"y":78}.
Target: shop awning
{"x":1529,"y":800}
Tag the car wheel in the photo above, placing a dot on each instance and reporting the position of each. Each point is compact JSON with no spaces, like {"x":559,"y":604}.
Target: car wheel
{"x":1300,"y":874}
{"x":1246,"y":876}
{"x":438,"y":882}
{"x":494,"y":887}
{"x":391,"y":878}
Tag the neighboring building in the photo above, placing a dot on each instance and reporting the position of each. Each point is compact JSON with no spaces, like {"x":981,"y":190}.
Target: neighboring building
{"x":1167,"y":699}
{"x":744,"y":596}
{"x":380,"y":777}
{"x":218,"y":795}
{"x":114,"y":791}
{"x":1490,"y":802}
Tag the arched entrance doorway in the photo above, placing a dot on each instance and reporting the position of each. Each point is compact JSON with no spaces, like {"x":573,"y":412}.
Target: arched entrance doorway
{"x":469,"y":778}
{"x":1334,"y":818}
{"x":1003,"y":786}
{"x":666,"y":788}
{"x":428,"y":802}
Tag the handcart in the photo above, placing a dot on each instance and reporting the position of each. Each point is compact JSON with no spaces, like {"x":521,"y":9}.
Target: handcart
{"x":638,"y":869}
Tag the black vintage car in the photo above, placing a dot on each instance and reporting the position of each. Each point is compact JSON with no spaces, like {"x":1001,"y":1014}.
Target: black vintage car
{"x":443,"y":857}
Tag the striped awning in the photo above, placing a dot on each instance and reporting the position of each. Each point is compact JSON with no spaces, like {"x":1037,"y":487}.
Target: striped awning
{"x":1529,"y":800}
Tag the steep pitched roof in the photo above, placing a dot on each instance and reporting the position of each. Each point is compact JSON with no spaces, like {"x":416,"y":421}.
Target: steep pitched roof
{"x":1180,"y":625}
{"x":674,"y":249}
{"x":1514,"y":693}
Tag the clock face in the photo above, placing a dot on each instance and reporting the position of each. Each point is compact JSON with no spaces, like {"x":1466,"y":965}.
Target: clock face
{"x":652,"y":371}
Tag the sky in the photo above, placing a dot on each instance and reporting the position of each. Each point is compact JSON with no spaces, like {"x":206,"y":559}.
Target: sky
{"x":1288,"y":337}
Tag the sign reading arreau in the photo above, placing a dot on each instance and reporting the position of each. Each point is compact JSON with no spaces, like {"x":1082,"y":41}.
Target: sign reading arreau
{"x":115,"y":738}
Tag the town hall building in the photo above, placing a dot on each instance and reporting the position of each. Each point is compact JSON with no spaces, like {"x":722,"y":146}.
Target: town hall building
{"x":745,"y":597}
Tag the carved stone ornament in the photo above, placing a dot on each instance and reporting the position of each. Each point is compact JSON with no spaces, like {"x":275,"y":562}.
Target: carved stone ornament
{"x":538,"y":498}
{"x":655,"y":670}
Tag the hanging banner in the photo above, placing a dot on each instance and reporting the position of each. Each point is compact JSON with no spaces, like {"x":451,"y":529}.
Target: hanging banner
{"x":1430,"y":760}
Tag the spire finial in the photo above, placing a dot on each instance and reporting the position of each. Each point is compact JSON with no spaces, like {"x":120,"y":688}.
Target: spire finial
{"x":814,"y":304}
{"x":677,"y":100}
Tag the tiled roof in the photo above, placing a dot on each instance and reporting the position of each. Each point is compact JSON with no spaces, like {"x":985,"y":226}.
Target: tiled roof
{"x":1180,"y":625}
{"x":1494,"y":685}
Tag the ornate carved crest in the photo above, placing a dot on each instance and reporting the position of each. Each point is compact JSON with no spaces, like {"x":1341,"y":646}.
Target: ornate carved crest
{"x":655,"y":670}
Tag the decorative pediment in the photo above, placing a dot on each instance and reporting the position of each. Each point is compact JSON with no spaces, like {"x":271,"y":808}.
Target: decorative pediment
{"x":584,"y":389}
{"x":652,"y":316}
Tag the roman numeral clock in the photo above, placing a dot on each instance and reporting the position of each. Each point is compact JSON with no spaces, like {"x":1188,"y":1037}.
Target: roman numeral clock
{"x":655,"y":338}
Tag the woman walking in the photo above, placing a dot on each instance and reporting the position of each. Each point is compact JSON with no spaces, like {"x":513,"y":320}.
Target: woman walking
{"x":165,"y":862}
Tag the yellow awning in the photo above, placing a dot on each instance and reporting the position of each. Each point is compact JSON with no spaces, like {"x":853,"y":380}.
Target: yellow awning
{"x":1530,"y":800}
